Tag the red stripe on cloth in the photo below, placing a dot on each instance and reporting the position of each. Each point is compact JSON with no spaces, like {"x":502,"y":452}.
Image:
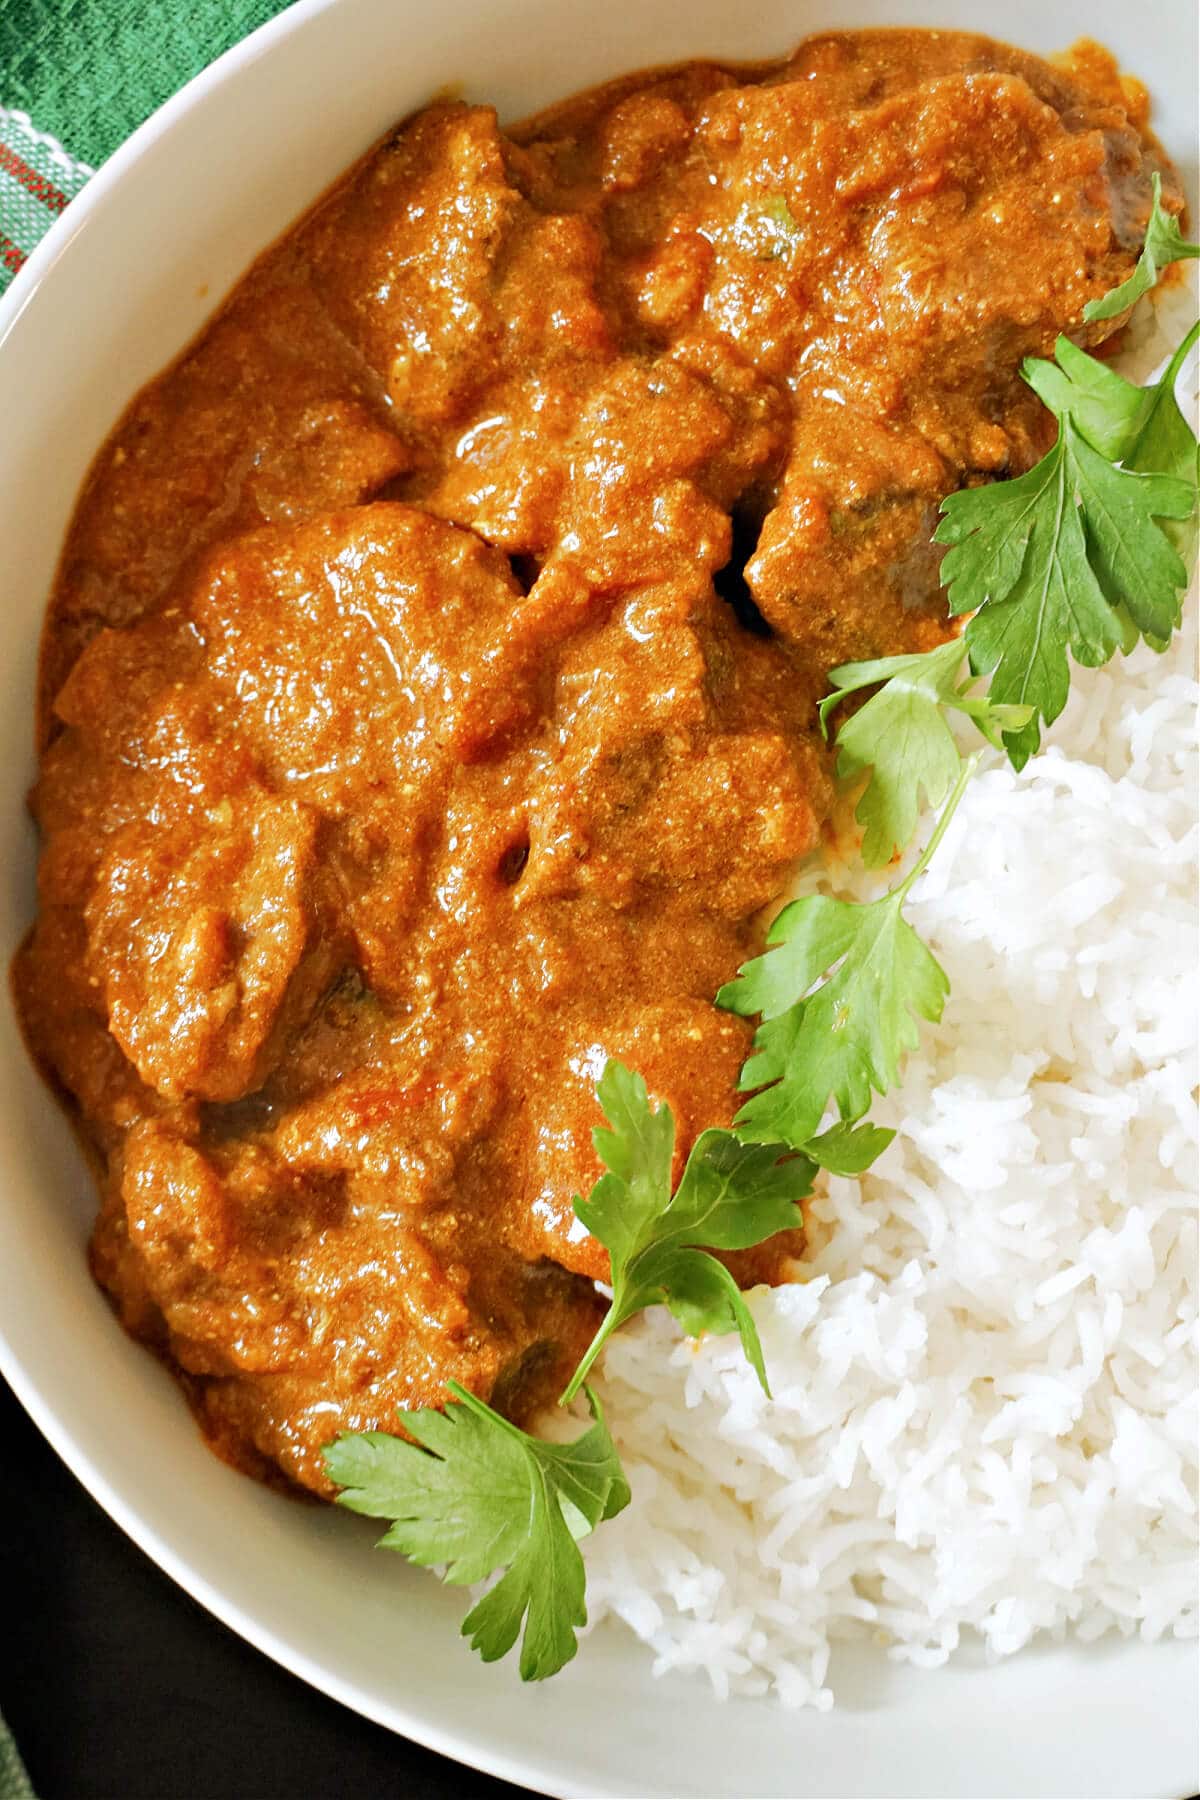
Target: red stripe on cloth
{"x":11,"y":255}
{"x":38,"y":186}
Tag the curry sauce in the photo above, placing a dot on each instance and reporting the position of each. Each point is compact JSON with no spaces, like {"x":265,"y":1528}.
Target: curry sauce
{"x":428,"y":692}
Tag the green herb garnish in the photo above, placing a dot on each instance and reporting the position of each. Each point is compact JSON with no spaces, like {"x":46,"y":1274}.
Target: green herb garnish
{"x":731,"y":1195}
{"x":903,"y":736}
{"x":1071,"y":556}
{"x":1164,"y":245}
{"x":840,"y":989}
{"x":477,"y":1494}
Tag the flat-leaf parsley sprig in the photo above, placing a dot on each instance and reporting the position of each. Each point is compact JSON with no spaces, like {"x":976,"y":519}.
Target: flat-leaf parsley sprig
{"x":839,"y":989}
{"x":1065,"y":558}
{"x":478,"y":1494}
{"x":730,"y":1196}
{"x":1164,"y":245}
{"x":1087,"y":552}
{"x":902,"y":733}
{"x":1140,"y":427}
{"x":903,"y":736}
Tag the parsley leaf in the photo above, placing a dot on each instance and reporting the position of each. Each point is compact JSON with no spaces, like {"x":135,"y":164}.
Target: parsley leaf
{"x":482,"y":1495}
{"x":1164,"y":245}
{"x":840,"y":990}
{"x":903,"y":736}
{"x":1103,"y":404}
{"x":1161,"y":439}
{"x":848,"y":1148}
{"x":731,"y":1195}
{"x":1070,"y":556}
{"x":1140,"y":427}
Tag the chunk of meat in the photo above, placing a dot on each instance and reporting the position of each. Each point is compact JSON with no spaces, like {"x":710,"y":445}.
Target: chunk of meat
{"x":208,"y":946}
{"x":267,"y":1280}
{"x":270,"y":416}
{"x":360,"y":643}
{"x":868,"y":251}
{"x":423,"y":228}
{"x":844,"y":567}
{"x":658,"y":771}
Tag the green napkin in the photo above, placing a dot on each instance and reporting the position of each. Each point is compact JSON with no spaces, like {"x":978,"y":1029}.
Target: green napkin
{"x":76,"y":77}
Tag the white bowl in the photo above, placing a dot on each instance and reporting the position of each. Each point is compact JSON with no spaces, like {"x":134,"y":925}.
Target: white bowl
{"x":117,"y":288}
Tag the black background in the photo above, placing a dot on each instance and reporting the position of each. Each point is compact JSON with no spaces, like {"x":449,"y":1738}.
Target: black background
{"x":118,"y":1687}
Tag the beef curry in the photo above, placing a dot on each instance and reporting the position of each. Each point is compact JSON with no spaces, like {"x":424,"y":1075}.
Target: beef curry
{"x":428,"y":694}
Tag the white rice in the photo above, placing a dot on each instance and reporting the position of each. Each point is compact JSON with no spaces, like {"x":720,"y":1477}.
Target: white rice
{"x":984,"y":1414}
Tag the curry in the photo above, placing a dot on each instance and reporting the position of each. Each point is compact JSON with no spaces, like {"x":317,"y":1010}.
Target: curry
{"x":429,"y":689}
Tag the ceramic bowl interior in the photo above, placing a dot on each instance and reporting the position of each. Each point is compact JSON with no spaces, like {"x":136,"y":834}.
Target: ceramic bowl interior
{"x":125,"y":279}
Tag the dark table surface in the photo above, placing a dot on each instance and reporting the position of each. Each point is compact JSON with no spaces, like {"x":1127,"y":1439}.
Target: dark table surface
{"x":116,"y":1685}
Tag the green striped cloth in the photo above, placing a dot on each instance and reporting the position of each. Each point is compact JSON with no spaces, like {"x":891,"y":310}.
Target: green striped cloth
{"x":76,"y":77}
{"x":37,"y":178}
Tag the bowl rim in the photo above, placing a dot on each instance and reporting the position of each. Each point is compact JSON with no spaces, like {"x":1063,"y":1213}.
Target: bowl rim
{"x":528,"y":1769}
